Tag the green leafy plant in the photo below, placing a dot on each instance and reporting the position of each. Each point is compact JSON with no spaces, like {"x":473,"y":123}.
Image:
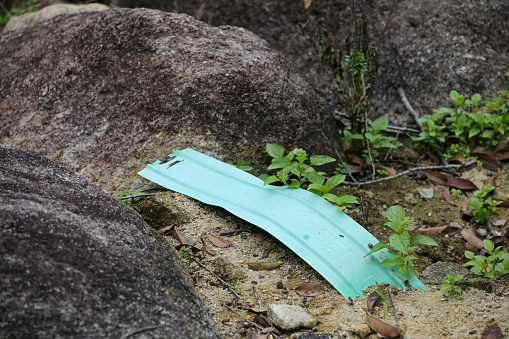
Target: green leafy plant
{"x":297,"y":170}
{"x":492,"y":266}
{"x":280,"y":254}
{"x":400,"y":243}
{"x":481,"y":204}
{"x":456,"y":193}
{"x":352,"y":67}
{"x":484,"y":122}
{"x":31,"y":6}
{"x":449,"y":284}
{"x":186,"y":252}
{"x":241,"y":164}
{"x":236,"y":282}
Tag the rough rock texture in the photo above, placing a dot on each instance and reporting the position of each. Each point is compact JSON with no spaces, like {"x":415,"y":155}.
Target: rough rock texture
{"x":75,"y":263}
{"x":429,"y":48}
{"x":29,"y":19}
{"x":106,"y":92}
{"x":291,"y":317}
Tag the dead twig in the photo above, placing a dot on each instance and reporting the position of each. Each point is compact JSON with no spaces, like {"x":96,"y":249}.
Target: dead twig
{"x":249,"y":321}
{"x":217,"y":277}
{"x":137,"y":196}
{"x":344,"y":166}
{"x":409,"y":107}
{"x":460,"y":166}
{"x":257,"y":297}
{"x":234,"y":232}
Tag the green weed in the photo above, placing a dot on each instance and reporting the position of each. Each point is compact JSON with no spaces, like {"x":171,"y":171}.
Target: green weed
{"x":400,"y":243}
{"x":297,"y":170}
{"x":448,"y":285}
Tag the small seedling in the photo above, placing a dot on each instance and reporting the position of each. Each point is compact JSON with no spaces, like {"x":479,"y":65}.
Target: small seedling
{"x":481,"y":204}
{"x":492,"y":266}
{"x":400,"y":243}
{"x":448,"y":285}
{"x":385,"y":303}
{"x":236,"y":282}
{"x":455,"y":193}
{"x":186,"y":252}
{"x":383,"y":173}
{"x":280,"y":254}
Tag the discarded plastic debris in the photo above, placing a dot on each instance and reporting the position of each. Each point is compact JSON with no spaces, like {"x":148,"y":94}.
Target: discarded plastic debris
{"x":327,"y":239}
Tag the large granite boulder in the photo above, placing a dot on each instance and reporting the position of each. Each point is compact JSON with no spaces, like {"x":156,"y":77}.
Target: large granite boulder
{"x":75,"y":263}
{"x":430,"y":47}
{"x":103,"y":93}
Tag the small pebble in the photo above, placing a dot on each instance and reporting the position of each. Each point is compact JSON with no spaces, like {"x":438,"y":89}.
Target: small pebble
{"x":261,"y":276}
{"x":290,"y":272}
{"x":243,"y":236}
{"x":254,"y":282}
{"x":265,"y":256}
{"x":489,"y":174}
{"x":472,"y":332}
{"x":255,"y":254}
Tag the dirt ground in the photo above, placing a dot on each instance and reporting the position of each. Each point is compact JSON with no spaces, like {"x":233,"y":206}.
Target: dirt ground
{"x":426,"y":313}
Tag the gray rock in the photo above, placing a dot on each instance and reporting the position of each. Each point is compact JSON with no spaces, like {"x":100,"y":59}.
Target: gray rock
{"x":312,"y":335}
{"x":29,"y":19}
{"x":105,"y":93}
{"x":430,"y":48}
{"x":291,"y":317}
{"x":437,"y":272}
{"x":75,"y":263}
{"x":426,"y":193}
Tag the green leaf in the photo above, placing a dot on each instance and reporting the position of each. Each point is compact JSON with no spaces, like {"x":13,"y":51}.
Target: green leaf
{"x":445,"y":285}
{"x":454,"y":278}
{"x":294,"y":184}
{"x":335,"y":180}
{"x":390,"y":262}
{"x":456,"y":98}
{"x":476,"y":98}
{"x":396,"y":214}
{"x":315,"y":178}
{"x":421,"y":239}
{"x":488,"y":245}
{"x":279,"y":163}
{"x":378,"y":246}
{"x":457,"y":289}
{"x":400,"y":242}
{"x":275,"y":151}
{"x":380,"y":123}
{"x":270,"y":180}
{"x":318,"y":160}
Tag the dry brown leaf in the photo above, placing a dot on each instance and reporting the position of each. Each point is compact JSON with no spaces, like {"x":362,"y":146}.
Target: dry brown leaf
{"x":462,"y":184}
{"x":503,"y":155}
{"x":263,"y":266}
{"x":166,"y":229}
{"x":257,"y":309}
{"x":436,"y":176}
{"x":413,"y":152}
{"x":271,"y":329}
{"x":449,"y":230}
{"x":457,"y":159}
{"x":356,"y":160}
{"x":448,"y":197}
{"x":354,"y":169}
{"x":372,"y":298}
{"x":260,"y":319}
{"x":381,"y":328}
{"x":309,"y":289}
{"x":489,"y":161}
{"x":218,"y":242}
{"x":471,"y":238}
{"x":179,"y":236}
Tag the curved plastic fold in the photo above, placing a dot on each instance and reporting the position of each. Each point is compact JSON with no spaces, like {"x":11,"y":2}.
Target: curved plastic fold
{"x":324,"y":237}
